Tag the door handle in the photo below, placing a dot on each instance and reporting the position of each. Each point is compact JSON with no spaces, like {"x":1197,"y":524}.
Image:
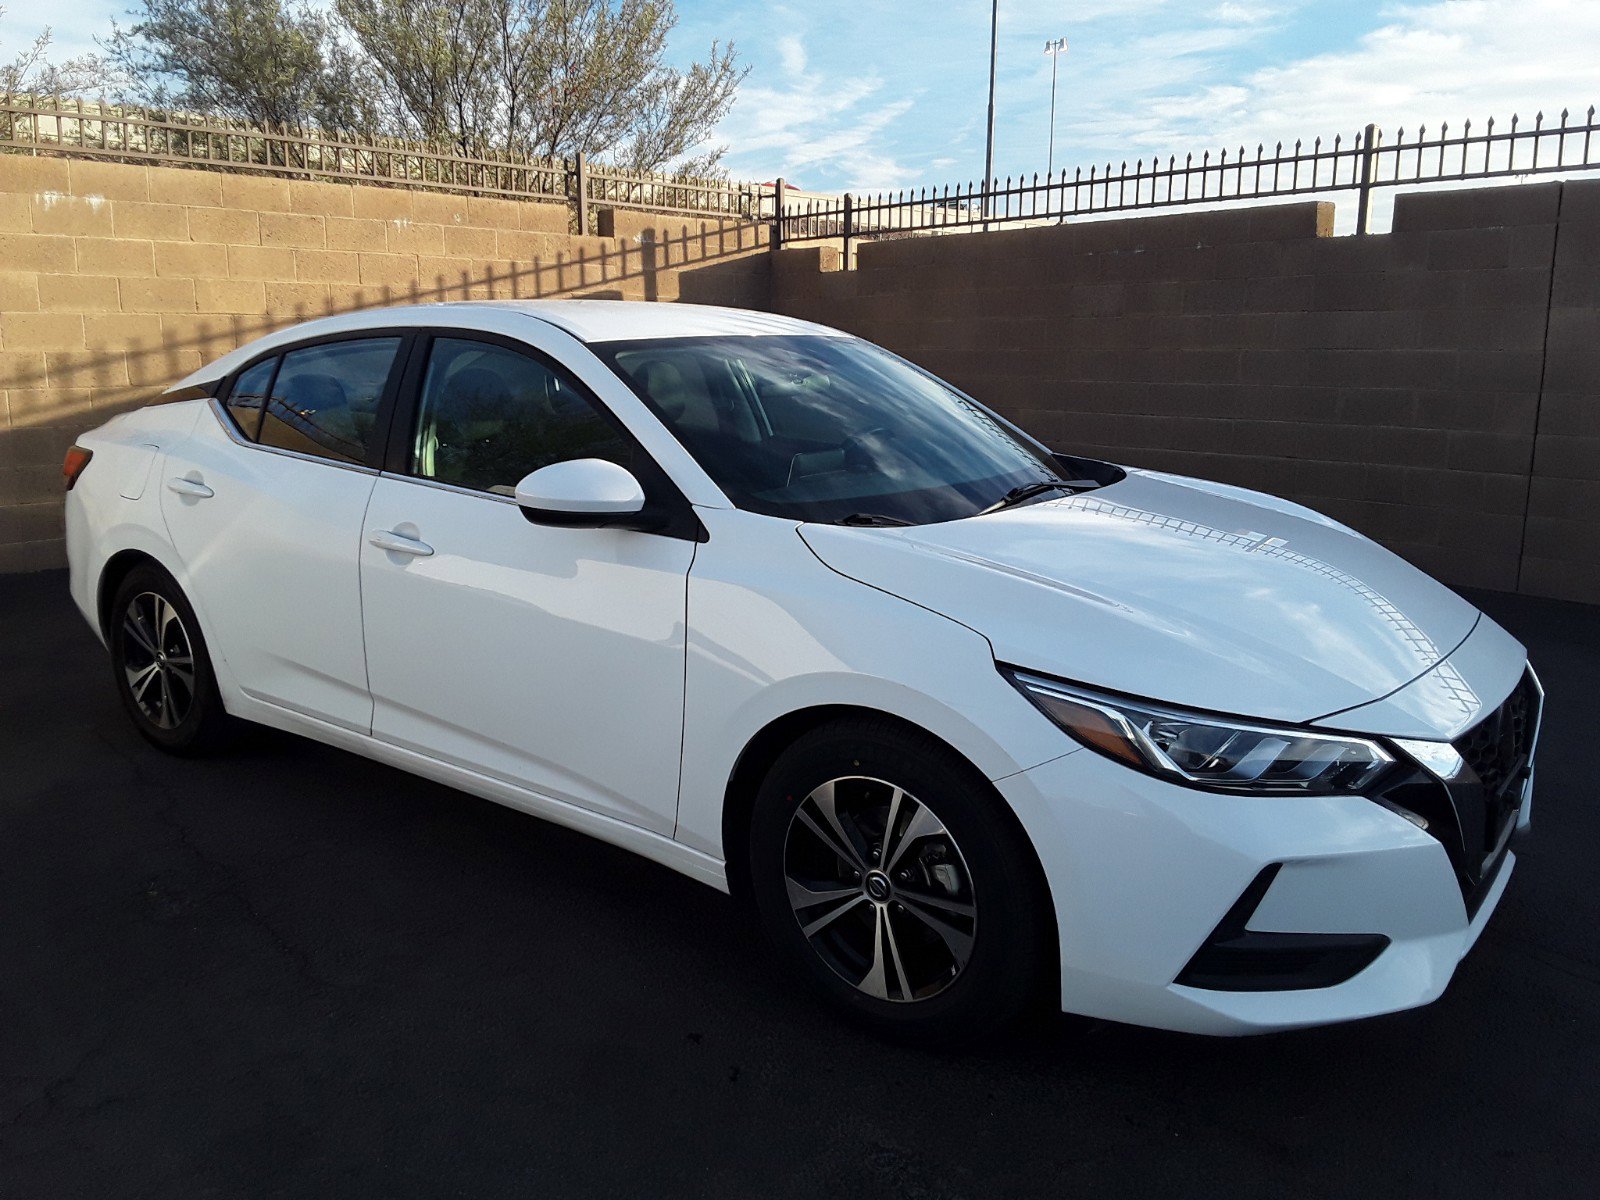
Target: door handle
{"x":398,"y":543}
{"x":189,"y":487}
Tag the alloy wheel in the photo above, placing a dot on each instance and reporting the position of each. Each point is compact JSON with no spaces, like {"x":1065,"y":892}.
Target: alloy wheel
{"x":880,"y":889}
{"x":158,"y":660}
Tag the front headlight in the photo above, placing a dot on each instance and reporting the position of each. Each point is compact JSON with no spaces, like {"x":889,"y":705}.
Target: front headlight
{"x":1207,"y":751}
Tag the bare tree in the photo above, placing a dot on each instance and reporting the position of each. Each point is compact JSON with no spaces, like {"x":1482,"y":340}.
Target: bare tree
{"x":32,"y":71}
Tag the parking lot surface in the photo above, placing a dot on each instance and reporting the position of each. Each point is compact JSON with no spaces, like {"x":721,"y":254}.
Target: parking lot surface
{"x":292,"y":972}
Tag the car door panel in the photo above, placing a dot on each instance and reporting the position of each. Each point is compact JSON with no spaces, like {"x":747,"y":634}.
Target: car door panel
{"x":273,"y":550}
{"x":550,"y":658}
{"x":264,"y":504}
{"x":545,"y":657}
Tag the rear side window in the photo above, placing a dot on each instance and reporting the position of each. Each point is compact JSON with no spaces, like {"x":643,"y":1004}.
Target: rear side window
{"x":249,"y":397}
{"x":325,"y":399}
{"x":489,"y":415}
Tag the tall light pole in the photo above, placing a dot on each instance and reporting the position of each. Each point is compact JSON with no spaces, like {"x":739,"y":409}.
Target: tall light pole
{"x":988,"y":151}
{"x":1055,"y":50}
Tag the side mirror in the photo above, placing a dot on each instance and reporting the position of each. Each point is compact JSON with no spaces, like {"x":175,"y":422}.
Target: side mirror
{"x":587,"y":493}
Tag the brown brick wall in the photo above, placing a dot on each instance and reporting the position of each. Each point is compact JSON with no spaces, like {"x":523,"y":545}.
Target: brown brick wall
{"x":1392,"y":381}
{"x":1437,"y":387}
{"x":1561,"y":556}
{"x":117,"y":279}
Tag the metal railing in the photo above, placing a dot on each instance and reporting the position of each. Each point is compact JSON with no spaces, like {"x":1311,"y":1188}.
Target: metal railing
{"x":1362,"y":164}
{"x":97,"y":129}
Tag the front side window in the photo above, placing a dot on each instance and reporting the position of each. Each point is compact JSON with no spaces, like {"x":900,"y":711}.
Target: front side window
{"x":489,"y":415}
{"x":249,"y":396}
{"x":325,"y":399}
{"x":832,"y":429}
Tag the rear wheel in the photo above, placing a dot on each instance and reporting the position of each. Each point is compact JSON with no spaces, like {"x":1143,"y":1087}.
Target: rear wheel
{"x":162,"y":670}
{"x":887,"y":875}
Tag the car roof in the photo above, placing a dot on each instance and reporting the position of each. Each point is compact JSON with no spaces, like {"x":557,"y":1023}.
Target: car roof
{"x":589,"y":321}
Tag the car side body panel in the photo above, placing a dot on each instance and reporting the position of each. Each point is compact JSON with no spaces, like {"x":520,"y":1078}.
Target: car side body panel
{"x":774,"y":631}
{"x":103,"y":520}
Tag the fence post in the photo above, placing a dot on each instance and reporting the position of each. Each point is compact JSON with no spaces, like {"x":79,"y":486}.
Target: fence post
{"x":777,"y":214}
{"x":1369,"y":146}
{"x":582,"y":174}
{"x":849,"y":227}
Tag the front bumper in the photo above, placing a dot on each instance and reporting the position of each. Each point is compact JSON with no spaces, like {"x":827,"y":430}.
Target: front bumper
{"x":1143,"y":872}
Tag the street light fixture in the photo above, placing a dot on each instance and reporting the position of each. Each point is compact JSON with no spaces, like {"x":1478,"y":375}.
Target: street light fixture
{"x":1055,"y":50}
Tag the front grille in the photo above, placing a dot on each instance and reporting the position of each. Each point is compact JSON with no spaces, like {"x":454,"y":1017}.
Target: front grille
{"x":1474,"y":813}
{"x":1498,"y":746}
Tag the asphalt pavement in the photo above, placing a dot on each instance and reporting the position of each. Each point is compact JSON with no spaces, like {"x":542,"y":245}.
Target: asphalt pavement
{"x":291,"y":972}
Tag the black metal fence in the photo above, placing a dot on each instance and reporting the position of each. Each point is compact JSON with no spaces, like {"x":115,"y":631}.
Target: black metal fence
{"x":97,"y":129}
{"x":1363,"y":163}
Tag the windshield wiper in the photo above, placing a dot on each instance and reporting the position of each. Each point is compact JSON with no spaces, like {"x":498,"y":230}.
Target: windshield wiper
{"x":1028,"y":491}
{"x":867,"y":518}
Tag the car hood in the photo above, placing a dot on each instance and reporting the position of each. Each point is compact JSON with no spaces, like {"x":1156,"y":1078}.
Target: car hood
{"x":1175,"y":589}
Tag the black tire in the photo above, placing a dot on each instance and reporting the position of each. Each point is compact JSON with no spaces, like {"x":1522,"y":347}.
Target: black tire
{"x":980,"y":855}
{"x":176,"y":707}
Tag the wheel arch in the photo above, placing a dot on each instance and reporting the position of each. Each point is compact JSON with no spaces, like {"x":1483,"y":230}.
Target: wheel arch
{"x":116,"y":569}
{"x":763,"y":749}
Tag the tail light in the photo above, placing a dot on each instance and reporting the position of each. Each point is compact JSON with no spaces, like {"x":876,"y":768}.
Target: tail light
{"x":77,"y":459}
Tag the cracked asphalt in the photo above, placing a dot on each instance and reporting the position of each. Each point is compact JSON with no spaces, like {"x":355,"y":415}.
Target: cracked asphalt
{"x":290,"y":972}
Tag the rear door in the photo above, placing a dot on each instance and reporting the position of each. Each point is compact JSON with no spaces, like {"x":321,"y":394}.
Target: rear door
{"x":264,"y":504}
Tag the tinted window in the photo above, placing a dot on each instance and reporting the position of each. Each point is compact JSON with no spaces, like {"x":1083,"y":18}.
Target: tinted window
{"x":828,"y":428}
{"x":249,"y":397}
{"x":489,"y":415}
{"x":325,"y":399}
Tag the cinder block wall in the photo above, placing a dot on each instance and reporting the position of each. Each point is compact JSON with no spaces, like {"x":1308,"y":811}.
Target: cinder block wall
{"x":117,"y":279}
{"x":1561,"y":556}
{"x":1399,"y":382}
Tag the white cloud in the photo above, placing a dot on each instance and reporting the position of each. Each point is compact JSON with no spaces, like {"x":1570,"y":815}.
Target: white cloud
{"x":1244,"y":14}
{"x":792,"y":55}
{"x":809,"y":123}
{"x":1443,"y":61}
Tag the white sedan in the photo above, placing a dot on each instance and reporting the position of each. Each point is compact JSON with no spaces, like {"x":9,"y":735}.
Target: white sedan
{"x":973,"y":725}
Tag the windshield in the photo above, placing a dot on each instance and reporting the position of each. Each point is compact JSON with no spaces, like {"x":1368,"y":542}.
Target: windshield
{"x":828,"y":429}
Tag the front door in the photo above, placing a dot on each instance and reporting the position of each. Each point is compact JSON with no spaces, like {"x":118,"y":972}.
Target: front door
{"x":545,"y":657}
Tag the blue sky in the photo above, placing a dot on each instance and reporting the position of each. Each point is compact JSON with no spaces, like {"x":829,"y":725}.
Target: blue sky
{"x":869,"y":95}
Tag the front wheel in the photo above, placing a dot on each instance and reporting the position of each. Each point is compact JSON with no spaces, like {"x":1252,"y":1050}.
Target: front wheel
{"x":887,"y":873}
{"x":163,"y":672}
